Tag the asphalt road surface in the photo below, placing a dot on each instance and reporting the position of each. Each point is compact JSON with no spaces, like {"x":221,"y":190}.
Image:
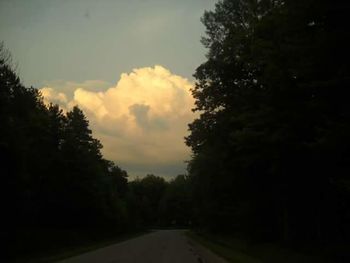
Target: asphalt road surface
{"x":161,"y":246}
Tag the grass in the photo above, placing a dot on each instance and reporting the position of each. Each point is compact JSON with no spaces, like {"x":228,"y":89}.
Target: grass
{"x":61,"y":253}
{"x":230,"y":253}
{"x":240,"y":251}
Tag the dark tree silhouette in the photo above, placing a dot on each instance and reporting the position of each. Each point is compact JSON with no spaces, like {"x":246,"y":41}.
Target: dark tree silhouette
{"x":56,"y":184}
{"x":270,"y":150}
{"x":175,"y":205}
{"x":57,"y":187}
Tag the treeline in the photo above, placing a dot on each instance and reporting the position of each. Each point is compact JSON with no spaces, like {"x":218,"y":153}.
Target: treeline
{"x":158,"y":203}
{"x":57,"y":189}
{"x":271,"y":148}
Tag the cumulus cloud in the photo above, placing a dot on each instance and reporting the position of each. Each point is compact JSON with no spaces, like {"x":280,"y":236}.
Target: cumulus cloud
{"x":53,"y":96}
{"x":68,"y":87}
{"x":142,"y":120}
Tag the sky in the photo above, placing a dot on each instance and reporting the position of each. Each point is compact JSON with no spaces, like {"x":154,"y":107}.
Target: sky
{"x":127,"y":63}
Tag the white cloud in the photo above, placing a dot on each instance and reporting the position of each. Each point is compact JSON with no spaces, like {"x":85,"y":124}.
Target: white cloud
{"x":53,"y":96}
{"x":140,"y":121}
{"x":68,"y":87}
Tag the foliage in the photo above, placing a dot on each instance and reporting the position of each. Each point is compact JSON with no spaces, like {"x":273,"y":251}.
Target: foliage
{"x":175,"y":205}
{"x":53,"y":172}
{"x":57,"y":185}
{"x":270,"y":150}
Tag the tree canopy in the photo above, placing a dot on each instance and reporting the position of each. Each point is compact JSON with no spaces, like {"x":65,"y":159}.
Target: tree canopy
{"x":270,"y":148}
{"x":57,"y":187}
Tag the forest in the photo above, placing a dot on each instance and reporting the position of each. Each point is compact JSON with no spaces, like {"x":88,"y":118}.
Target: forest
{"x":58,"y":190}
{"x":271,"y":146}
{"x":270,"y":149}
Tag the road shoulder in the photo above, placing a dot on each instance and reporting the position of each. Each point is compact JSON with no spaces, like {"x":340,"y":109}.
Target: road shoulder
{"x":214,"y":252}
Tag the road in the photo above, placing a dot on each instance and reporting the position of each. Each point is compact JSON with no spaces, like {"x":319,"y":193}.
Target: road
{"x":161,"y":246}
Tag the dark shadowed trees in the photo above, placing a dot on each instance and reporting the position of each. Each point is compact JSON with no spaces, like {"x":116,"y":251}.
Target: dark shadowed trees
{"x":55,"y":184}
{"x":271,"y":155}
{"x":57,"y":189}
{"x":175,"y":206}
{"x":145,"y":195}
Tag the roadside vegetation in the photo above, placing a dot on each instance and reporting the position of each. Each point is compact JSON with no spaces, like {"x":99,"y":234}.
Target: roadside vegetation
{"x":238,"y":250}
{"x":59,"y":192}
{"x":271,"y":148}
{"x":83,"y":246}
{"x":270,"y":159}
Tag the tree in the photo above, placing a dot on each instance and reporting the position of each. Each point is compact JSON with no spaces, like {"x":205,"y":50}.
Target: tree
{"x":271,"y":105}
{"x":175,"y":204}
{"x":120,"y":178}
{"x":146,"y":194}
{"x":56,"y":184}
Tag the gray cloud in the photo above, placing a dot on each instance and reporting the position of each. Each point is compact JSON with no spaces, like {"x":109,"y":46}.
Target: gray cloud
{"x":140,"y":111}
